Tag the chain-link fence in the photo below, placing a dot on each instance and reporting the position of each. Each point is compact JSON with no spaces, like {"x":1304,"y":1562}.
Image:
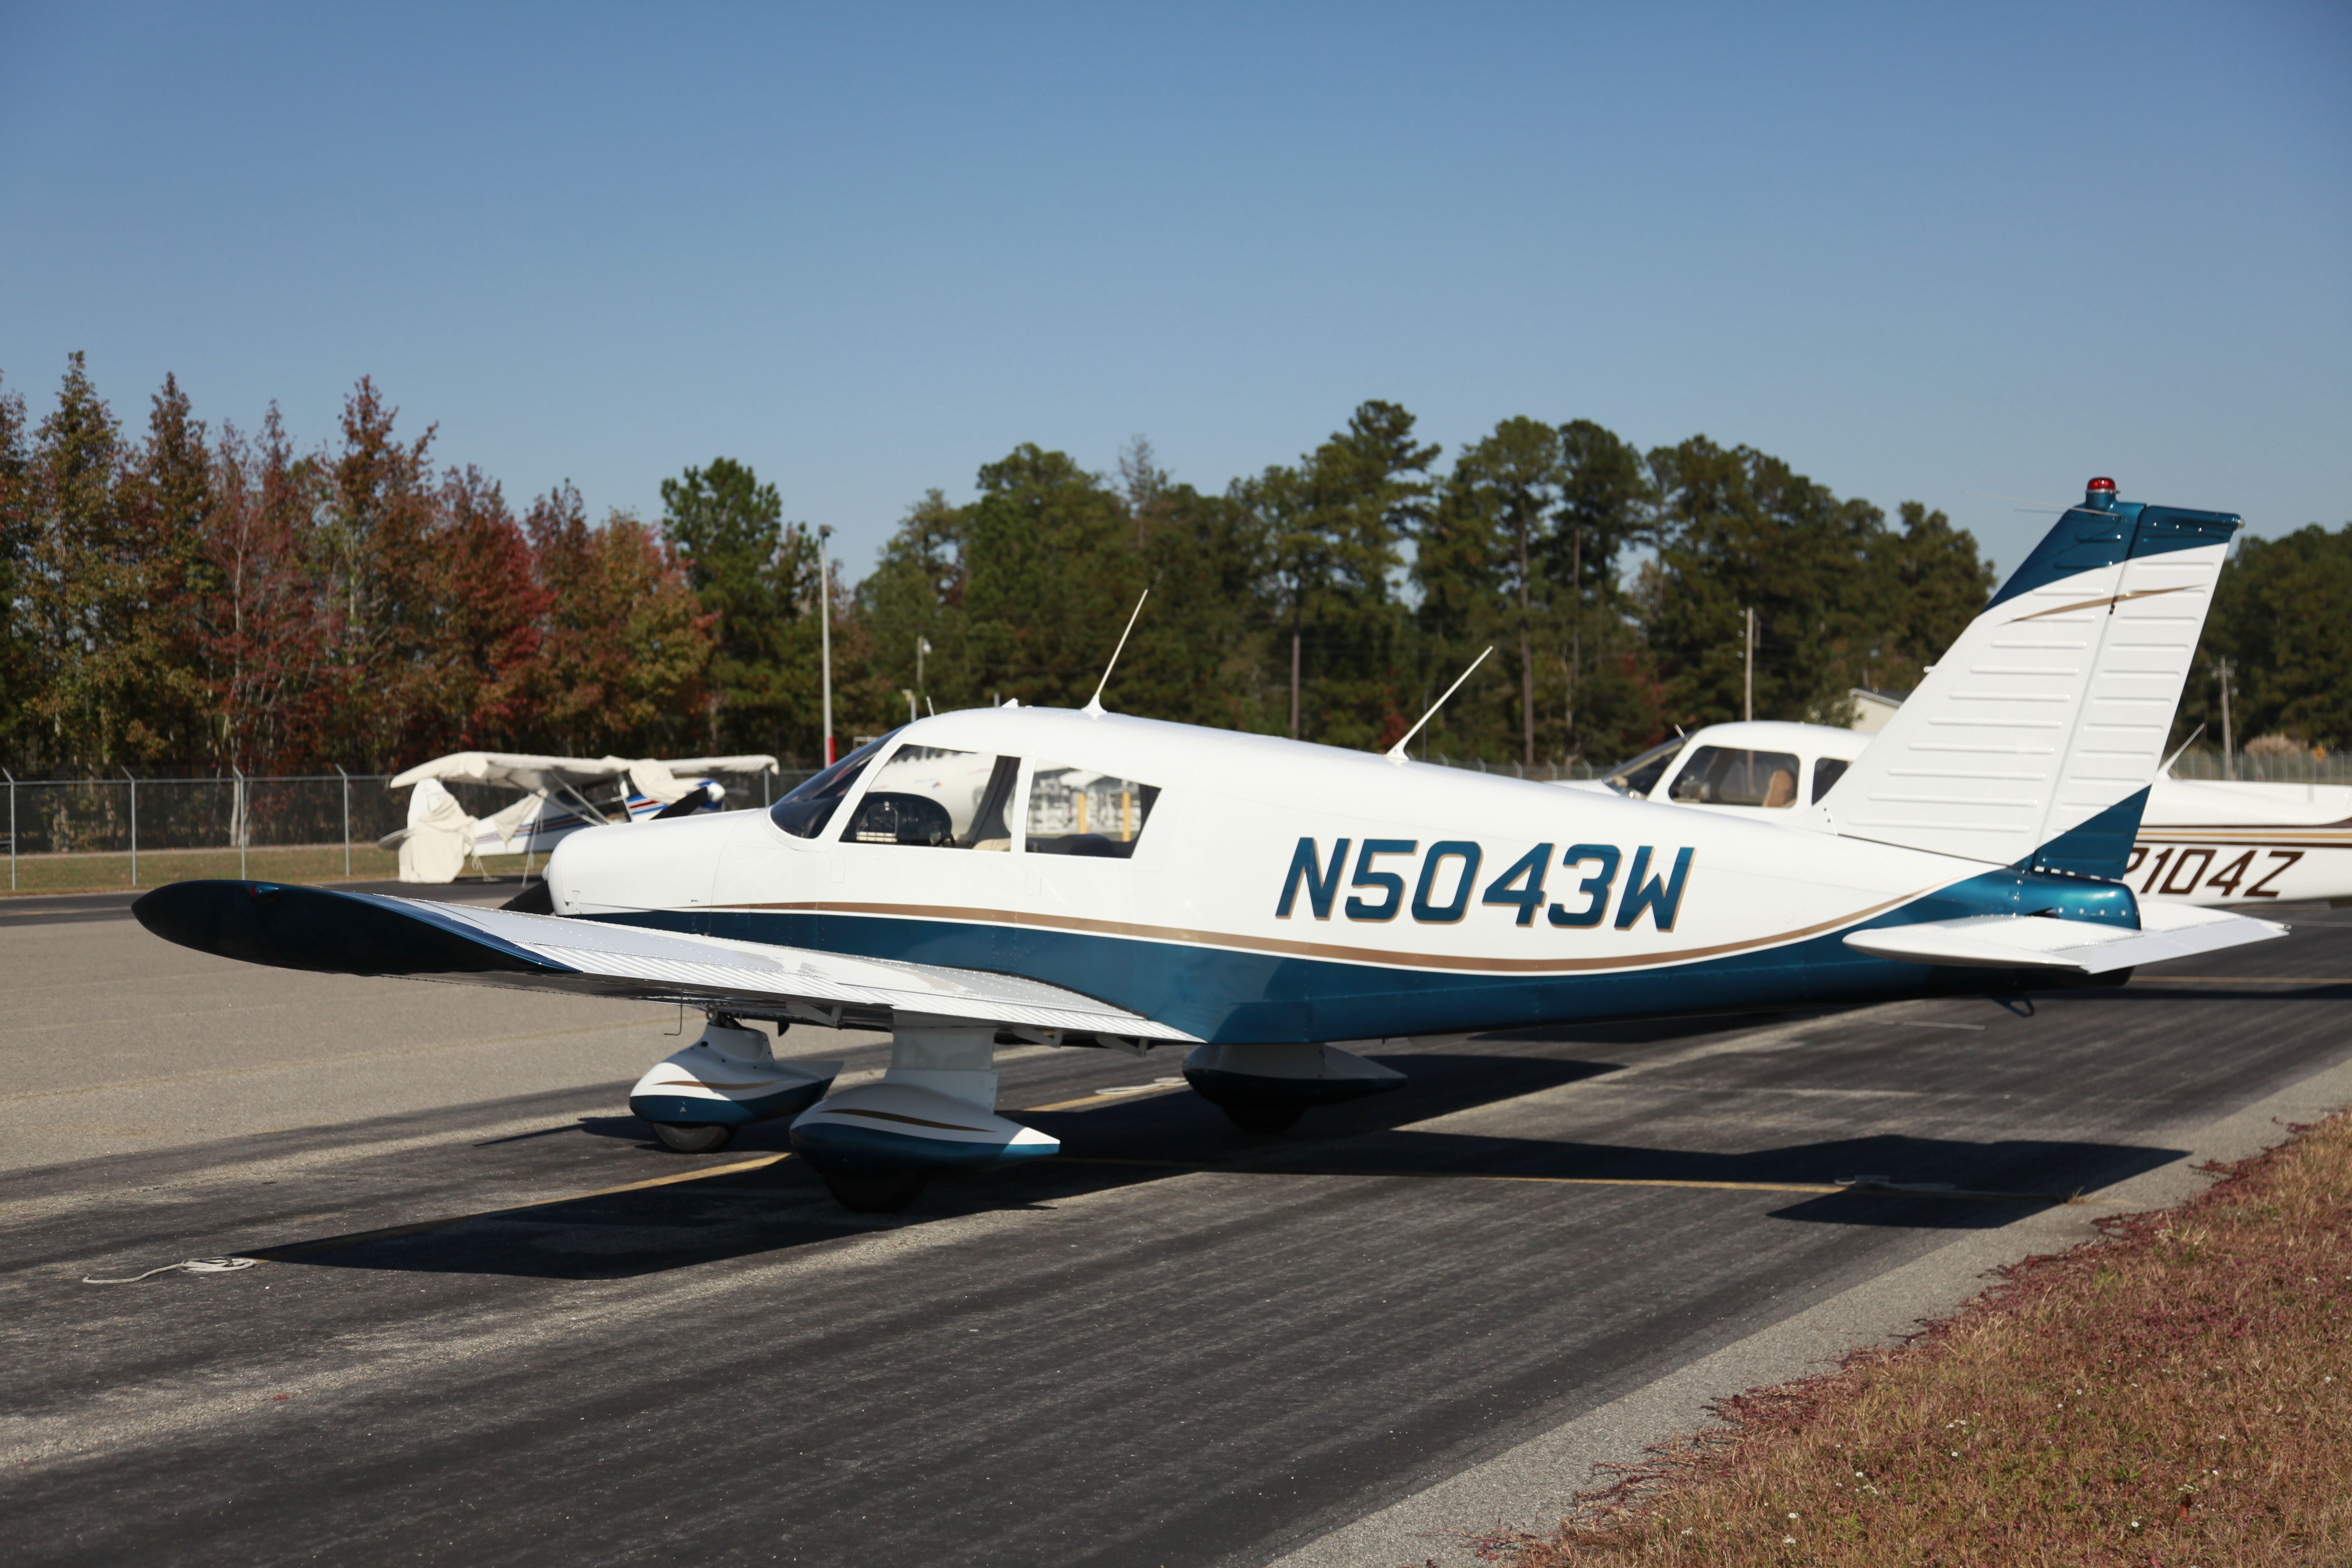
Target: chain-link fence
{"x":2265,"y":767}
{"x":72,"y":833}
{"x":1554,"y":772}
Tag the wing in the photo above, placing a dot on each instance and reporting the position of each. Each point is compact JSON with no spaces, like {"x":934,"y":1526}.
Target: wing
{"x":2064,"y":947}
{"x":366,"y":933}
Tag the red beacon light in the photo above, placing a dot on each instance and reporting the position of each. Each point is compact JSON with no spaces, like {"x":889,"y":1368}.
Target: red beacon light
{"x":2100,"y":492}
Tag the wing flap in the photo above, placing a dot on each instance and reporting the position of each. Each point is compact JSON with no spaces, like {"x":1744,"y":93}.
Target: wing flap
{"x":2064,"y":947}
{"x":366,"y":933}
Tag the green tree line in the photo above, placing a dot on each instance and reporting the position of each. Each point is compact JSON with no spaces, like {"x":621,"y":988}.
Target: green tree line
{"x":187,"y":597}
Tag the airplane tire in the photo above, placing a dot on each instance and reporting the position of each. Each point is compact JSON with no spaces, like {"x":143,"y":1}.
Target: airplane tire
{"x":878,"y":1194}
{"x":702,"y":1138}
{"x":1263,"y":1115}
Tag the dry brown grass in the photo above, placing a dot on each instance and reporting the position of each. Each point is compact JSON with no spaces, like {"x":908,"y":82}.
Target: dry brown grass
{"x":2178,"y":1393}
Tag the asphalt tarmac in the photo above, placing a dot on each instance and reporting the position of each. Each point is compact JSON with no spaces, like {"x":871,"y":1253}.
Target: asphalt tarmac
{"x":499,"y":1323}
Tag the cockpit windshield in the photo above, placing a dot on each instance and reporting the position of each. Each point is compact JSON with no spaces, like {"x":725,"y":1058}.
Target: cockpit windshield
{"x":1641,"y":775}
{"x":806,"y":811}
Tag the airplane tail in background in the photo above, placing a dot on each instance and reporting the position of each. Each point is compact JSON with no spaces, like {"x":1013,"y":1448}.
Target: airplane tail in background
{"x":2036,"y":738}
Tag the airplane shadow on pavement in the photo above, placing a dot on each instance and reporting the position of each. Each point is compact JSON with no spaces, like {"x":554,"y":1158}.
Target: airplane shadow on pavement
{"x":781,"y":1205}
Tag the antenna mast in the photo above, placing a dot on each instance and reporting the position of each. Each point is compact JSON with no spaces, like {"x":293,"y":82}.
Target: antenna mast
{"x":1396,"y":753}
{"x":1094,"y":708}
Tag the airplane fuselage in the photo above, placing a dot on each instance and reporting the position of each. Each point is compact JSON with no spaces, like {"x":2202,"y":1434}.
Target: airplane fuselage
{"x":1276,"y":890}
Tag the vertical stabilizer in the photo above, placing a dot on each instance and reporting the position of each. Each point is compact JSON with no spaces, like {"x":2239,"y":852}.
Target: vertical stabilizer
{"x":2036,"y":738}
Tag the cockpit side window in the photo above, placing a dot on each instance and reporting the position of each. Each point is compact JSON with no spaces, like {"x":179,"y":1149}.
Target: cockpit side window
{"x":1641,"y":775}
{"x":806,"y":811}
{"x":934,"y":798}
{"x":1077,"y":811}
{"x":1827,"y":771}
{"x":1732,"y":775}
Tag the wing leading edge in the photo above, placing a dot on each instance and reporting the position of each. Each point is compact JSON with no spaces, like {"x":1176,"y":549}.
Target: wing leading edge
{"x":366,"y":933}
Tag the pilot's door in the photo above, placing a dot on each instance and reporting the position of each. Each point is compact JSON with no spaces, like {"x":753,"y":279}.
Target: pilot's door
{"x":929,"y":847}
{"x":1081,"y":831}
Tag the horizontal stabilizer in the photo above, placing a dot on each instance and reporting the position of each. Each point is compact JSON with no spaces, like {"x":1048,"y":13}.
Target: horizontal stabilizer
{"x":2061,"y":946}
{"x":366,"y":933}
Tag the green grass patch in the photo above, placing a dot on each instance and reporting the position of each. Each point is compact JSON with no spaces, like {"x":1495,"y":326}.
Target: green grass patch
{"x":2179,"y":1393}
{"x":283,"y":863}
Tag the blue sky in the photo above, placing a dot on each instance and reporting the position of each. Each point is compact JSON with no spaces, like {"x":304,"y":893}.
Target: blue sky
{"x":1917,"y":253}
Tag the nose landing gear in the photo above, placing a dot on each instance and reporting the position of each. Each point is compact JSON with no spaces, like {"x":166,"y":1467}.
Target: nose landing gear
{"x":729,"y":1079}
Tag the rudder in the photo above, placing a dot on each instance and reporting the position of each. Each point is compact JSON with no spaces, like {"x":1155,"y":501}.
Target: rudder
{"x":2036,"y":737}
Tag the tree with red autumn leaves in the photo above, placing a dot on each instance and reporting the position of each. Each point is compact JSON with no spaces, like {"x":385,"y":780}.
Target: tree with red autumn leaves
{"x":198,"y":602}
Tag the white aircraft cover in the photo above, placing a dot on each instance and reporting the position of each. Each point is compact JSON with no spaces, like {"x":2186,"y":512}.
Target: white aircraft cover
{"x":666,"y":966}
{"x":2061,"y":946}
{"x":434,"y":845}
{"x":528,"y":771}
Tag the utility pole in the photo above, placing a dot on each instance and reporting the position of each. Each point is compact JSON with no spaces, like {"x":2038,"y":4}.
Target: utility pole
{"x":1527,"y":658}
{"x":824,"y":631}
{"x":1575,"y":636}
{"x":2229,"y":751}
{"x":1748,"y":643}
{"x":1293,"y":680}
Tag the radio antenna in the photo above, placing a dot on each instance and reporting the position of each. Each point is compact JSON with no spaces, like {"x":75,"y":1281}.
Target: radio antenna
{"x":1396,"y":753}
{"x":2166,"y":771}
{"x":1094,"y":708}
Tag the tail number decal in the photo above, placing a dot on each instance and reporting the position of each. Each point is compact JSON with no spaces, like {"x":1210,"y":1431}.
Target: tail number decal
{"x":2179,"y":871}
{"x":1448,"y":873}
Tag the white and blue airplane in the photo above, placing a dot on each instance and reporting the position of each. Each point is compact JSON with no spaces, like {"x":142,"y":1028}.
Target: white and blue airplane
{"x":1077,"y":877}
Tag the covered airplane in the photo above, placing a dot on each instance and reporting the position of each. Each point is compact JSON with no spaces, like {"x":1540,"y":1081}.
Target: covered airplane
{"x":1077,"y":878}
{"x":440,"y":837}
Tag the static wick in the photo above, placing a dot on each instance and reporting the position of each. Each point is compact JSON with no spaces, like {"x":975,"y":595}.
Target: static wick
{"x":1396,"y":753}
{"x":1094,"y":708}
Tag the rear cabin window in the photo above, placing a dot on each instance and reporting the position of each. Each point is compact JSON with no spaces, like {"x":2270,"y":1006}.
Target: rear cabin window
{"x":1726,"y":776}
{"x":1077,"y":811}
{"x":1641,"y":775}
{"x":933,"y":798}
{"x":1827,"y":771}
{"x":806,"y":811}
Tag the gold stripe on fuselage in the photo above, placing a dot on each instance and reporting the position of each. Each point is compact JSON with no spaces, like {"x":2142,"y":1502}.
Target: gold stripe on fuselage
{"x":1292,"y":949}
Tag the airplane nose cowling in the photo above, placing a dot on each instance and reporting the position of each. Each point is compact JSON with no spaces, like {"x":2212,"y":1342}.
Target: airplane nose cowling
{"x":640,"y":865}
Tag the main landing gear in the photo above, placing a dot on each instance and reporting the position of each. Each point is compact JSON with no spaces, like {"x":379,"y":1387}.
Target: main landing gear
{"x":1266,"y":1088}
{"x":877,"y":1144}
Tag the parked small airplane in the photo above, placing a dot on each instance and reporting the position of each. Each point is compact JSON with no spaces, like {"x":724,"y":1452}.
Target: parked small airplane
{"x":2208,"y":842}
{"x":440,"y":838}
{"x":1076,"y":878}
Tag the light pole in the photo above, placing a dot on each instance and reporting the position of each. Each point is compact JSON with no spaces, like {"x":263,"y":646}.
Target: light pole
{"x":824,"y":631}
{"x":922,"y":647}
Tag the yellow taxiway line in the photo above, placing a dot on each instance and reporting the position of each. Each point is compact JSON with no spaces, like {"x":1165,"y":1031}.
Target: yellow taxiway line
{"x":2240,"y":980}
{"x":733,"y":1168}
{"x":272,"y":1254}
{"x":740,"y":1167}
{"x":1877,"y":1189}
